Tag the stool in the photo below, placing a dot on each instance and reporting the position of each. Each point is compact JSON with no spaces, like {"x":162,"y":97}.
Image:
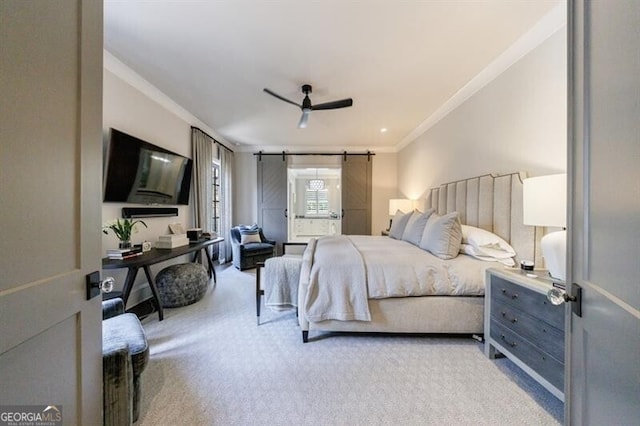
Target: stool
{"x":182,"y":284}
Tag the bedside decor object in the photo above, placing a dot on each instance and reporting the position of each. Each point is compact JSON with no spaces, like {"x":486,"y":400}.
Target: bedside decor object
{"x":526,"y":265}
{"x":545,"y":204}
{"x":122,"y":229}
{"x":403,"y":204}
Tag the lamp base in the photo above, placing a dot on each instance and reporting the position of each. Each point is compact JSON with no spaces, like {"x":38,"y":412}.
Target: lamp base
{"x":554,"y":251}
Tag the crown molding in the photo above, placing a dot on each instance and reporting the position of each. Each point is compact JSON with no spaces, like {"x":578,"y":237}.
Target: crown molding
{"x":121,"y":70}
{"x":550,"y":24}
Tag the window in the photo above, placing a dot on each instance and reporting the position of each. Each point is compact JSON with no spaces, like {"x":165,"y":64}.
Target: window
{"x":316,"y":200}
{"x":215,"y":188}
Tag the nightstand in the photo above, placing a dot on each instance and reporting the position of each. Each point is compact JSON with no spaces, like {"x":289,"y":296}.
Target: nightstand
{"x":524,"y":326}
{"x":384,"y":233}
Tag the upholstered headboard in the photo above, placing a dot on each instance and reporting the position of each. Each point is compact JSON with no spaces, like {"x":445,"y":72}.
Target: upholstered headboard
{"x":493,"y":203}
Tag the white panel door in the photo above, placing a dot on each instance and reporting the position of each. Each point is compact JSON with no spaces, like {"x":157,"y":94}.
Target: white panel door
{"x":50,"y":214}
{"x":603,"y":356}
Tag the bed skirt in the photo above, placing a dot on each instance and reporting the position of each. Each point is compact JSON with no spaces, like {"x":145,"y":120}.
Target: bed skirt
{"x":426,"y":314}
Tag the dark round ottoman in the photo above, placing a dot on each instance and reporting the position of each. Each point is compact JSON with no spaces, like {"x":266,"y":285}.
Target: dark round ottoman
{"x":182,"y":284}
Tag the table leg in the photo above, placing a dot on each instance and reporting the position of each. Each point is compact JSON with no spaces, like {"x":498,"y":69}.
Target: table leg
{"x":154,"y":290}
{"x":212,"y":270}
{"x":128,"y":284}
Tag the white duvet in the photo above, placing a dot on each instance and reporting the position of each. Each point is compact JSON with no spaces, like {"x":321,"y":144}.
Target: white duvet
{"x":396,"y":268}
{"x":342,"y":272}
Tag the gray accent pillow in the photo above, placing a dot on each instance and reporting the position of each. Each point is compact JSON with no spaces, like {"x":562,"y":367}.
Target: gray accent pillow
{"x":442,"y":235}
{"x":398,"y":224}
{"x":415,"y":227}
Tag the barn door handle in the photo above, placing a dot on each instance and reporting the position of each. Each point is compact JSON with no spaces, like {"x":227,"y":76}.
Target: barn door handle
{"x":286,"y":213}
{"x":342,"y":213}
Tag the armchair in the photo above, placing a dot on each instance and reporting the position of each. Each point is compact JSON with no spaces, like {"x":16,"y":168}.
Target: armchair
{"x":125,"y":353}
{"x":254,"y":248}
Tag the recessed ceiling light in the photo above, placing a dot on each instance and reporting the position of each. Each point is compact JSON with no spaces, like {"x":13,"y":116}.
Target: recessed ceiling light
{"x":384,"y":129}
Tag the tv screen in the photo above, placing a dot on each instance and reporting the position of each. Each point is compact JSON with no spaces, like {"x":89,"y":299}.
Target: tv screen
{"x":140,"y":172}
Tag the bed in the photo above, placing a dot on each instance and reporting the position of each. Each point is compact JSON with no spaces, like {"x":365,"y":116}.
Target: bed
{"x":490,"y":202}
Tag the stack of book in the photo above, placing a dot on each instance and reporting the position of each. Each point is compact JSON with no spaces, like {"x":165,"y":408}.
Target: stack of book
{"x":124,"y":253}
{"x":172,"y":241}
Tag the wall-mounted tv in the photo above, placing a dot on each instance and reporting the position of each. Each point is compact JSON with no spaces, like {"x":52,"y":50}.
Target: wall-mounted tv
{"x":140,"y":172}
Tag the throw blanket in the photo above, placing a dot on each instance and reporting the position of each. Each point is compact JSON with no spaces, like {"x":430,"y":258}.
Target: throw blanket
{"x":337,"y":286}
{"x":281,"y":278}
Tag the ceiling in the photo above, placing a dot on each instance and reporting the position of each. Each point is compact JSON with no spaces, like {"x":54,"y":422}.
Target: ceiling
{"x":400,"y":61}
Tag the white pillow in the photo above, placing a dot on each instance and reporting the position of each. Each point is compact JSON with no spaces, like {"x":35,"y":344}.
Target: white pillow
{"x":487,"y":242}
{"x":415,"y":227}
{"x":442,"y":235}
{"x":398,"y":224}
{"x":250,"y":238}
{"x":482,"y":255}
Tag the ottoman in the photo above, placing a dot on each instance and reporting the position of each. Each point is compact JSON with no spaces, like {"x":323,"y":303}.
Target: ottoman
{"x":182,"y":284}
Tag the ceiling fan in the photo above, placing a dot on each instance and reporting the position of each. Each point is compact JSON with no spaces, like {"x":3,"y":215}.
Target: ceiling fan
{"x":306,"y":106}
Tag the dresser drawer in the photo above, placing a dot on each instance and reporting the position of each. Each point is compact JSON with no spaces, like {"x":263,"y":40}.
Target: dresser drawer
{"x":541,"y":362}
{"x":535,"y":331}
{"x":527,"y":300}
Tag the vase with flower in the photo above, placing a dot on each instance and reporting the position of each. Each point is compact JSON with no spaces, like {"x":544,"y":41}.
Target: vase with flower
{"x":122,"y":229}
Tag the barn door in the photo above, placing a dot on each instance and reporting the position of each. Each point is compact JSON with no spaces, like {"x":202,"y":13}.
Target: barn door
{"x":356,"y":195}
{"x":50,"y":187}
{"x":603,"y":336}
{"x":272,"y":197}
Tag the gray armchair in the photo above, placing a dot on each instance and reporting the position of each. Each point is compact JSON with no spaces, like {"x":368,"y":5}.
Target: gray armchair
{"x":248,"y":255}
{"x":125,"y":353}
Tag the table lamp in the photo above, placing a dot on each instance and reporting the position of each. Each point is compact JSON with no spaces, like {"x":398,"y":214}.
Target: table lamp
{"x":545,"y":204}
{"x":403,"y":204}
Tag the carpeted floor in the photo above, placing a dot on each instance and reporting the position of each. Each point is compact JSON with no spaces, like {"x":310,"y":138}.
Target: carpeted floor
{"x":211,"y":364}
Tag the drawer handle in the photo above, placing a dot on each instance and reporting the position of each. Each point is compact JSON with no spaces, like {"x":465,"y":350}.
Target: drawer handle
{"x":512,"y":344}
{"x":513,"y":296}
{"x":513,"y":320}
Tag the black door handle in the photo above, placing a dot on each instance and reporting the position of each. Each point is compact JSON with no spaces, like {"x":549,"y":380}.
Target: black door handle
{"x":286,"y":213}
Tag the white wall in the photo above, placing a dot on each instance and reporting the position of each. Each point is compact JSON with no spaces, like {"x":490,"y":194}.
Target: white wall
{"x":518,"y":122}
{"x":127,"y":109}
{"x":384,"y":188}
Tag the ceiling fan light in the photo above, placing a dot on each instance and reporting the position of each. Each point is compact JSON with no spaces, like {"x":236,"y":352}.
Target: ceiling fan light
{"x":304,"y":119}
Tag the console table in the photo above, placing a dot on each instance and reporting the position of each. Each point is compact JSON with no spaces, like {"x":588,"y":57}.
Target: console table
{"x":154,"y":256}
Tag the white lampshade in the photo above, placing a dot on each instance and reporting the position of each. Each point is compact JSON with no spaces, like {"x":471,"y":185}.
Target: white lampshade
{"x":545,"y":200}
{"x":403,"y":204}
{"x":545,"y":204}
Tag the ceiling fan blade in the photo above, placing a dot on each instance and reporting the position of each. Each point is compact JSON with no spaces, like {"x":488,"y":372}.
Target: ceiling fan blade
{"x":304,"y":119}
{"x":343,"y":103}
{"x":281,"y":98}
